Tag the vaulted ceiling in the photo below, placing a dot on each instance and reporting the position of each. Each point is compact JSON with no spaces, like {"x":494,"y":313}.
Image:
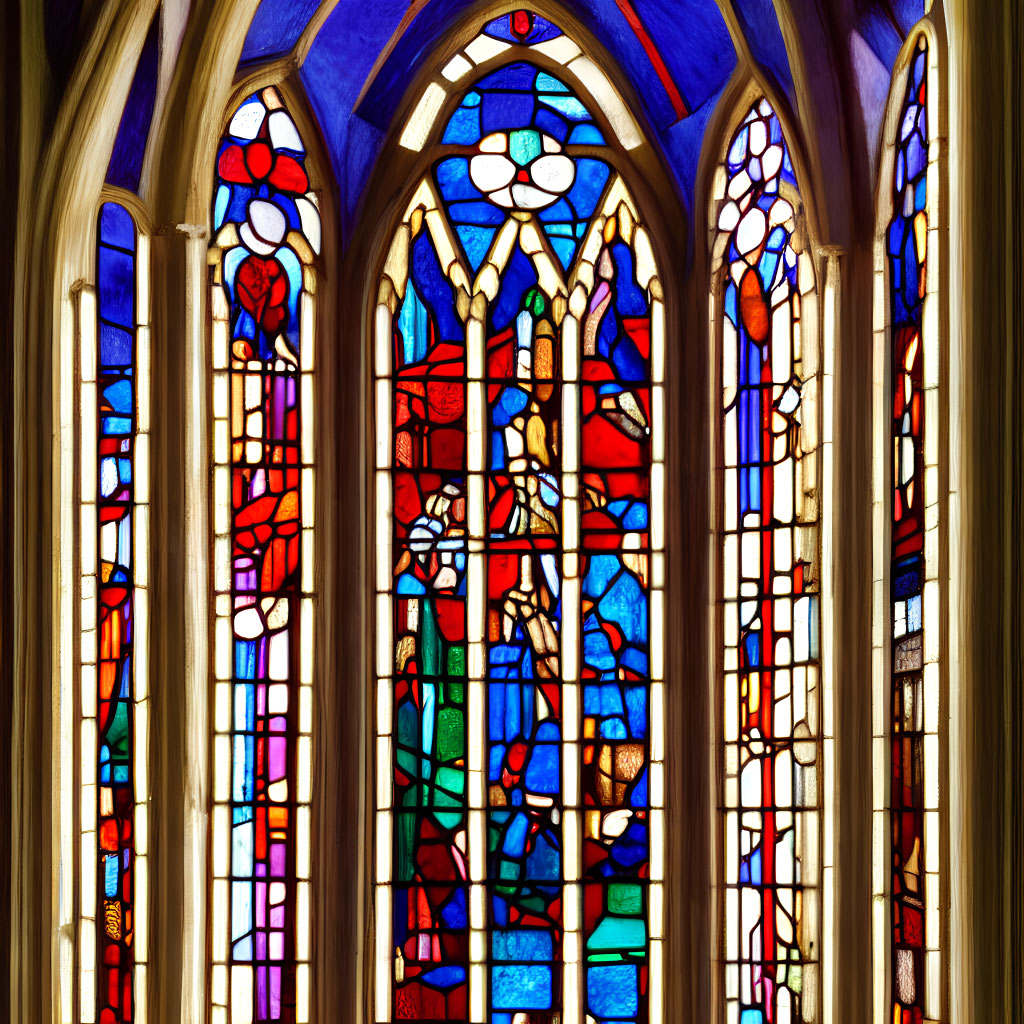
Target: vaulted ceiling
{"x":677,"y":55}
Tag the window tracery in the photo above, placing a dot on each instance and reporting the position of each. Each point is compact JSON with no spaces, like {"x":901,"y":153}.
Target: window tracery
{"x":519,"y":403}
{"x":532,"y":225}
{"x":267,"y":236}
{"x":769,"y":553}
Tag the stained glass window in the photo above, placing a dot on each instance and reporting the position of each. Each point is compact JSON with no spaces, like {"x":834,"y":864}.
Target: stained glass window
{"x":769,"y":572}
{"x":114,"y":525}
{"x":519,"y":404}
{"x":913,"y":690}
{"x":267,"y":234}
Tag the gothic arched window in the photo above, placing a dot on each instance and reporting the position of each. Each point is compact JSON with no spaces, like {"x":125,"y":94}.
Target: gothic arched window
{"x":769,"y":550}
{"x":563,"y":749}
{"x":114,"y":395}
{"x":519,"y":359}
{"x":114,"y":624}
{"x":911,"y":676}
{"x":267,"y":235}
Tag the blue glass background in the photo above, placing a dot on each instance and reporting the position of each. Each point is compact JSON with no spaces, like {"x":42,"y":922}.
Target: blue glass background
{"x":691,"y":37}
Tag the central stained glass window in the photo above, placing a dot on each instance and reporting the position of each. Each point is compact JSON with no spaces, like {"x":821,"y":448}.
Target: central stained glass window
{"x":519,"y":364}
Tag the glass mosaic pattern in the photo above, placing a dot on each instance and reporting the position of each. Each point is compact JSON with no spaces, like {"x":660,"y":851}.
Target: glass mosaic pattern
{"x":913,"y":700}
{"x":267,"y":235}
{"x":114,"y":522}
{"x":769,"y":554}
{"x":519,"y":361}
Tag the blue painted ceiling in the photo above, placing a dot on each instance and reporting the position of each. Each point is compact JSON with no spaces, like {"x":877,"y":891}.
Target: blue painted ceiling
{"x":276,"y":28}
{"x":338,"y":67}
{"x":355,"y":101}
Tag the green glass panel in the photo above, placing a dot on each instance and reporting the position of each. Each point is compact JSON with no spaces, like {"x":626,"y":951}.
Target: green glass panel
{"x":523,"y":146}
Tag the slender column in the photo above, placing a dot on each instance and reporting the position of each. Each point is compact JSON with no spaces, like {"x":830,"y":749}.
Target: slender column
{"x":384,"y":658}
{"x":572,"y":823}
{"x":476,"y":710}
{"x":656,"y":719}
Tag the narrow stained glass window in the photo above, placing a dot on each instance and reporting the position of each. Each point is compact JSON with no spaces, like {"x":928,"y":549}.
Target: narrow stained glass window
{"x":769,"y":557}
{"x":114,"y":353}
{"x":519,"y":360}
{"x":267,"y":234}
{"x":913,"y":503}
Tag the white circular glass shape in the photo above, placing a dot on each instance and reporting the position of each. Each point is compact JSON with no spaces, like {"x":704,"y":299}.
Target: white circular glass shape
{"x":491,"y":171}
{"x":522,"y":170}
{"x":265,"y":228}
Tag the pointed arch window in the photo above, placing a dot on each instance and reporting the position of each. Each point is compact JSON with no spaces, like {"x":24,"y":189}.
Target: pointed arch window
{"x":768,"y":564}
{"x":910,"y":690}
{"x":113,"y":816}
{"x":263,"y":264}
{"x":519,"y":344}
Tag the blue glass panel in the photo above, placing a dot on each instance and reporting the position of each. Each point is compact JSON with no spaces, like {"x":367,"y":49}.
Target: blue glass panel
{"x":565,"y":249}
{"x":482,"y":213}
{"x":591,"y":176}
{"x":519,"y":275}
{"x":629,"y":299}
{"x":586,"y":135}
{"x":555,"y":126}
{"x":111,"y":873}
{"x":116,"y":280}
{"x":119,"y":396}
{"x":116,"y":226}
{"x":612,"y":990}
{"x":434,"y":288}
{"x":521,"y":987}
{"x":475,"y":243}
{"x":522,"y":944}
{"x":504,"y":110}
{"x":454,"y":181}
{"x":464,"y":126}
{"x":115,"y":346}
{"x":567,"y":105}
{"x":517,"y":77}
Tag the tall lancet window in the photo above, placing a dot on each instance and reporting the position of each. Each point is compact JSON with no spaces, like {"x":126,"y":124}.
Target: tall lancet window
{"x":266,"y":236}
{"x":769,"y":571}
{"x":114,"y":625}
{"x":519,"y":359}
{"x":909,"y":695}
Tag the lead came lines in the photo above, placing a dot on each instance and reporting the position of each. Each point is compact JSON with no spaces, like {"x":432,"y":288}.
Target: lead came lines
{"x":267,"y":234}
{"x":769,"y":571}
{"x":483,"y":487}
